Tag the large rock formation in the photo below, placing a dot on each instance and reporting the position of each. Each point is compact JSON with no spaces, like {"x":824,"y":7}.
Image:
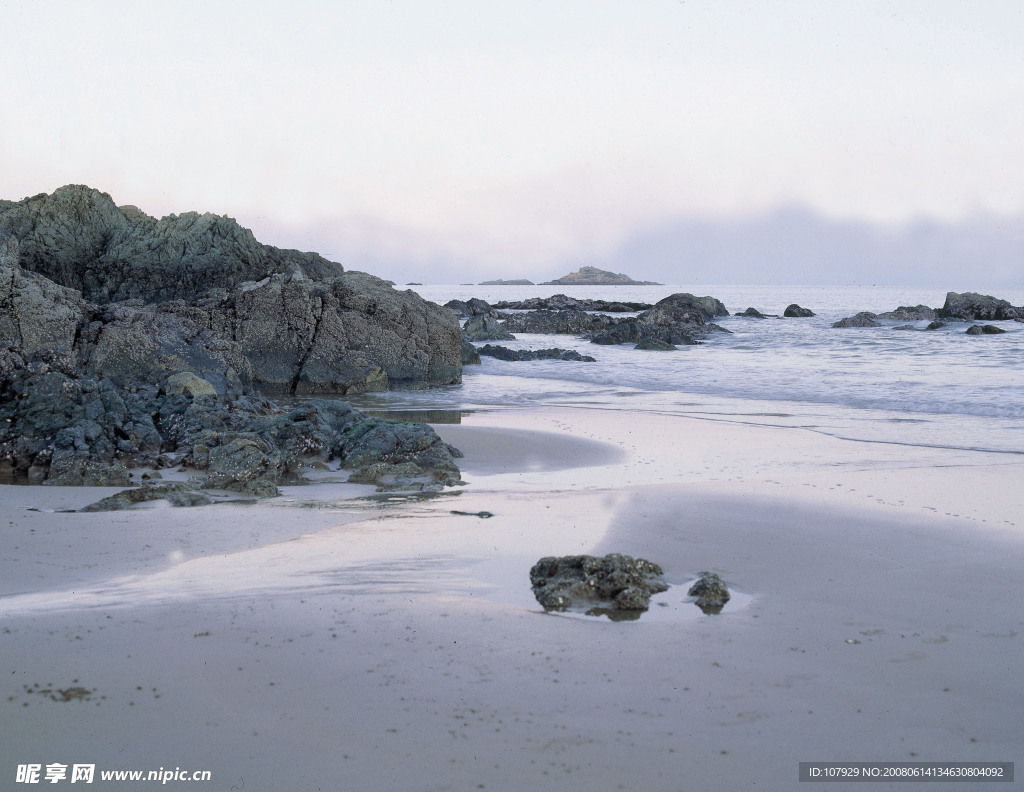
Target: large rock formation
{"x":181,"y":318}
{"x":971,"y":305}
{"x":198,"y":292}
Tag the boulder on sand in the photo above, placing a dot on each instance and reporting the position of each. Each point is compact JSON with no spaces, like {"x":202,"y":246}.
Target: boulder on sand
{"x":615,"y":582}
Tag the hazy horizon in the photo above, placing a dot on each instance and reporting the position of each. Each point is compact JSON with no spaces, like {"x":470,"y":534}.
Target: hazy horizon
{"x":780,"y":142}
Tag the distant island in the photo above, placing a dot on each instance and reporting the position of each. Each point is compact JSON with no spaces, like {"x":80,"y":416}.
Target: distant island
{"x":597,"y":277}
{"x":500,"y":282}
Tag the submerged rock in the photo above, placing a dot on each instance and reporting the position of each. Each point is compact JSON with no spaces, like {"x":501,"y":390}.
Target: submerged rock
{"x":862,"y":319}
{"x":617,"y":582}
{"x":504,"y":353}
{"x":794,"y":311}
{"x":710,"y":592}
{"x":485,"y":328}
{"x":909,"y":313}
{"x":175,"y":493}
{"x":984,"y":330}
{"x":563,"y":302}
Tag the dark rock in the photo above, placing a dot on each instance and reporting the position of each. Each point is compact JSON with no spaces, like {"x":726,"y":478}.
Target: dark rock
{"x":567,"y":322}
{"x":655,"y":344}
{"x":909,"y":314}
{"x":863,"y":319}
{"x":175,"y":493}
{"x":984,"y":330}
{"x":472,"y":307}
{"x":485,"y":328}
{"x":971,"y":305}
{"x":683,"y":309}
{"x":935,"y":325}
{"x":198,"y":293}
{"x":619,"y":582}
{"x":504,"y":353}
{"x":562,"y":302}
{"x":753,"y":313}
{"x":796,"y":312}
{"x":470,"y":357}
{"x":905,"y":327}
{"x":710,"y":592}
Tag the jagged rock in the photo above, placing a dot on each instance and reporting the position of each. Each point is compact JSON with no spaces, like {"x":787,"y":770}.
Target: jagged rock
{"x":710,"y":592}
{"x":862,"y":319}
{"x":472,"y":307}
{"x":485,"y":328}
{"x":36,"y":315}
{"x":655,"y":345}
{"x":794,"y":311}
{"x":909,"y":314}
{"x":562,"y":302}
{"x":683,"y":309}
{"x":984,"y":330}
{"x":619,"y":582}
{"x":753,"y":313}
{"x":188,"y":384}
{"x":568,"y":322}
{"x":310,"y":326}
{"x":504,"y":353}
{"x":971,"y":305}
{"x":470,"y":357}
{"x":350,"y":334}
{"x":176,"y":493}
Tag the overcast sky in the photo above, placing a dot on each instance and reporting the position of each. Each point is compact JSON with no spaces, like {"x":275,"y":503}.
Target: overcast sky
{"x":523,"y":139}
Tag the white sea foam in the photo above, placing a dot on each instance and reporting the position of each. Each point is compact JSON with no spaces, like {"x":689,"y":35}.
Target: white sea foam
{"x":941,"y":387}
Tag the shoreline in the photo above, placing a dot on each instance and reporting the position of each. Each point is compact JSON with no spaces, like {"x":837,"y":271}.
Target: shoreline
{"x":385,"y":642}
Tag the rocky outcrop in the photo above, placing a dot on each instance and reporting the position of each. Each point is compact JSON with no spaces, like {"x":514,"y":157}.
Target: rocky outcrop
{"x":472,"y":307}
{"x":984,"y":330}
{"x":568,"y":322}
{"x":91,"y":388}
{"x":655,"y":345}
{"x":176,"y":493}
{"x":973,"y":306}
{"x":909,"y":313}
{"x":198,"y":293}
{"x":513,"y":282}
{"x":484,"y":328}
{"x":349,"y":334}
{"x":77,"y":237}
{"x":470,"y":357}
{"x":710,"y":593}
{"x":617,"y":583}
{"x":862,"y":319}
{"x":58,"y":427}
{"x":794,"y":311}
{"x":598,"y":277}
{"x":562,"y":302}
{"x":684,"y":309}
{"x":753,"y":313}
{"x":504,"y":353}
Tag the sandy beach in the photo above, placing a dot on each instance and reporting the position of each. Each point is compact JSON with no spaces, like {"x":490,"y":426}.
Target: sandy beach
{"x":336,"y":639}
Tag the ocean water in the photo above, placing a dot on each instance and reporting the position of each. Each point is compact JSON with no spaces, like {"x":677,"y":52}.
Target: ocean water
{"x":938,"y":388}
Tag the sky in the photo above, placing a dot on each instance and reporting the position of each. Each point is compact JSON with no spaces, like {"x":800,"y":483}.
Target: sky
{"x":713,"y":141}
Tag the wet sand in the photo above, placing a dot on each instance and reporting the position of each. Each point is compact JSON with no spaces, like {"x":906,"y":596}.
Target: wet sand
{"x":337,"y":639}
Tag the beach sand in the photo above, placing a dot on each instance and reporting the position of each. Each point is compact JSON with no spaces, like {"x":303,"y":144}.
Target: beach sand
{"x":337,"y":639}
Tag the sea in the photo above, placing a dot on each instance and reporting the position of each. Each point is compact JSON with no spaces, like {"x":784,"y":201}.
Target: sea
{"x":940,"y":388}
